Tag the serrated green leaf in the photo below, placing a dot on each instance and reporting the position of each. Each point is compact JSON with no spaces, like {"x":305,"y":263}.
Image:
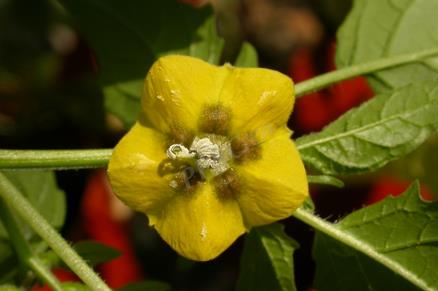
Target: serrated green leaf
{"x":127,"y":39}
{"x":146,"y":286}
{"x":95,"y":253}
{"x":381,"y":28}
{"x":341,"y":268}
{"x":401,"y":233}
{"x":267,"y":260}
{"x":247,"y":56}
{"x":382,"y":129}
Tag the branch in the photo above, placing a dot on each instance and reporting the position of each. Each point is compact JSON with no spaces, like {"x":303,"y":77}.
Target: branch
{"x":330,"y":78}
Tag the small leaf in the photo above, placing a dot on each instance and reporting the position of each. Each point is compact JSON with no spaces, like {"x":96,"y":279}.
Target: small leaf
{"x":381,"y":28}
{"x":267,"y":260}
{"x":127,"y":39}
{"x":325,"y":180}
{"x":146,"y":286}
{"x":247,"y":56}
{"x":308,"y":204}
{"x":382,"y":129}
{"x":399,"y":233}
{"x":95,"y":253}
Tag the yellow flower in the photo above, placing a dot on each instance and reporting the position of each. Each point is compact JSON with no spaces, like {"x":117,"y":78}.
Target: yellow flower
{"x":210,"y":156}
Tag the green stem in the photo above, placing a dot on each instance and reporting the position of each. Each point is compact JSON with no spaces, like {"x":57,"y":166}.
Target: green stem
{"x":333,"y":231}
{"x":23,"y":250}
{"x":327,"y":79}
{"x":54,"y":159}
{"x":26,"y":211}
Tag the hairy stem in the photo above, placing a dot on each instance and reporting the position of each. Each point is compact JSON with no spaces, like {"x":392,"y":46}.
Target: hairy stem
{"x":330,"y":78}
{"x":25,"y":210}
{"x":54,"y":159}
{"x":23,"y":250}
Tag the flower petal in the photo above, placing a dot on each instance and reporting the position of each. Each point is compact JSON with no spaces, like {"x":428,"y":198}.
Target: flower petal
{"x":133,"y":169}
{"x":275,"y":185}
{"x":200,"y":225}
{"x":261,"y":101}
{"x":176,"y":90}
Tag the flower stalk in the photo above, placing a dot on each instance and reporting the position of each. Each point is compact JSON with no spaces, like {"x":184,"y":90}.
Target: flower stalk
{"x":327,"y":79}
{"x":54,"y":159}
{"x":27,"y":212}
{"x":23,"y":250}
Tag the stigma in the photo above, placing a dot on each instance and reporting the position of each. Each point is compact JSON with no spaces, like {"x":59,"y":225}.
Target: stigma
{"x":210,"y":155}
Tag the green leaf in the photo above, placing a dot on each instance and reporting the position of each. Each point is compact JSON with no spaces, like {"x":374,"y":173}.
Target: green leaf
{"x":339,"y":267}
{"x":325,"y":180}
{"x":381,"y":28}
{"x":308,"y":204}
{"x":146,"y":286}
{"x":383,"y":129}
{"x":267,"y":260}
{"x":400,"y":233}
{"x":95,"y":253}
{"x":40,"y":188}
{"x":127,"y":39}
{"x":247,"y":56}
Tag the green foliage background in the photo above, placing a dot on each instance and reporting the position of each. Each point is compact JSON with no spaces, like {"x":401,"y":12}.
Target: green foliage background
{"x":393,"y":241}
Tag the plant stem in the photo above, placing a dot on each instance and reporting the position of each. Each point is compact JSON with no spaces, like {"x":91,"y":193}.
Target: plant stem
{"x":26,"y":211}
{"x":333,"y":231}
{"x":54,"y":159}
{"x":327,"y":79}
{"x":23,"y":250}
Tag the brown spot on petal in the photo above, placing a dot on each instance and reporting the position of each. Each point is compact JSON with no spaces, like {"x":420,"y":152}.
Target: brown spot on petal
{"x":181,"y":136}
{"x":215,"y":119}
{"x":245,"y":147}
{"x":227,"y":184}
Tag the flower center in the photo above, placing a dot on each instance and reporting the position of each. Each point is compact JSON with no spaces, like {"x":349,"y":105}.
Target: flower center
{"x":209,"y":155}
